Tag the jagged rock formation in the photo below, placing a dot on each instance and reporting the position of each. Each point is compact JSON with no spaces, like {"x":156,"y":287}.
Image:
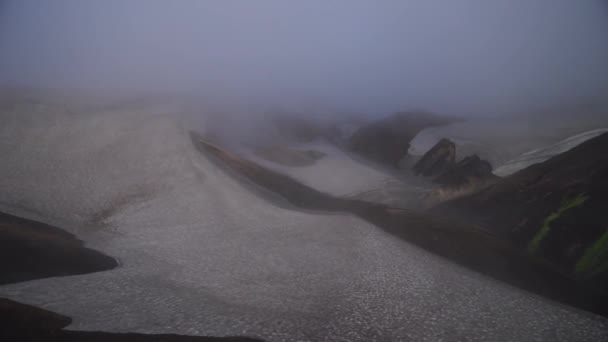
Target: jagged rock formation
{"x":436,"y":160}
{"x":387,"y":140}
{"x":469,"y":170}
{"x":32,"y":250}
{"x":554,"y":210}
{"x":439,"y":162}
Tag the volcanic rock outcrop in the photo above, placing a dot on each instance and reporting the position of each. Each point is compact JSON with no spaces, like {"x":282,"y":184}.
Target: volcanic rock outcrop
{"x":387,"y":140}
{"x":437,"y":160}
{"x":554,"y":210}
{"x":468,"y":171}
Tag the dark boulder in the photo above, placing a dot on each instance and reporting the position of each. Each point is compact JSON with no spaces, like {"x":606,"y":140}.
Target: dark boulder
{"x":468,"y":171}
{"x":388,"y":140}
{"x":437,"y":160}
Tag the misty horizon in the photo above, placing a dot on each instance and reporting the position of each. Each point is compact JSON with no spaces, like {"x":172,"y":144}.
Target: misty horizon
{"x":470,"y":57}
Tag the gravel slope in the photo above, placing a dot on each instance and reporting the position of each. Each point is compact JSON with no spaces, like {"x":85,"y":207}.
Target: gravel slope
{"x":201,"y":254}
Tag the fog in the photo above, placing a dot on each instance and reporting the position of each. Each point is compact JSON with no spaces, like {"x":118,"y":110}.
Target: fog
{"x":468,"y":56}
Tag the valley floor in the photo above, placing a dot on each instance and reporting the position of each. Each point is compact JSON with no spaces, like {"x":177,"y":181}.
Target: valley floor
{"x":202,"y":254}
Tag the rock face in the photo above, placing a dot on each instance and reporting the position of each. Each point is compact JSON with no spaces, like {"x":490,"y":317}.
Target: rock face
{"x":554,"y":211}
{"x":387,"y":140}
{"x":32,"y":250}
{"x":469,"y":170}
{"x":437,"y":160}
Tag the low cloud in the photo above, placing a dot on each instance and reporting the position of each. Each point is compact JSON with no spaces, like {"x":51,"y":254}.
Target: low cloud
{"x":466,"y":57}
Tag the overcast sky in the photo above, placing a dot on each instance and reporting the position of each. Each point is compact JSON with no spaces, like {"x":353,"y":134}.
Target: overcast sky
{"x":377,"y":56}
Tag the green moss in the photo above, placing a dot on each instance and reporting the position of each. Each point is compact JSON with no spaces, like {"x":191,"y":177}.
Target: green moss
{"x":595,"y":259}
{"x":546,"y":227}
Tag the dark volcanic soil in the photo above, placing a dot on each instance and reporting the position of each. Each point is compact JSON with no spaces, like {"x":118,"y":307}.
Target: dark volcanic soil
{"x":27,"y":323}
{"x":555,"y":211}
{"x":32,"y":250}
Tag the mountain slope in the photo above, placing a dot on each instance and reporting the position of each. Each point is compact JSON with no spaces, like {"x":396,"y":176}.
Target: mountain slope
{"x":554,"y":210}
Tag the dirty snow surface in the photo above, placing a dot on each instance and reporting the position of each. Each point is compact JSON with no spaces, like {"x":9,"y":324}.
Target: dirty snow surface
{"x":541,"y":154}
{"x":202,"y":254}
{"x":336,"y":173}
{"x":503,"y":140}
{"x":343,"y":174}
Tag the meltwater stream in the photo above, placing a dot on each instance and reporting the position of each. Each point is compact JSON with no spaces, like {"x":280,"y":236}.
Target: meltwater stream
{"x":202,"y":254}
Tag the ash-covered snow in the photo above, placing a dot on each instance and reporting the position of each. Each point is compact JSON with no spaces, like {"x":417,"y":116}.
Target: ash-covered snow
{"x":541,"y":154}
{"x":201,"y":254}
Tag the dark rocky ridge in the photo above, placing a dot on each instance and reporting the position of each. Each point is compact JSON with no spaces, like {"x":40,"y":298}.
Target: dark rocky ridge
{"x":32,"y":250}
{"x":436,"y":160}
{"x":468,"y":174}
{"x":468,"y":171}
{"x":462,"y":243}
{"x":387,"y":140}
{"x":21,"y":322}
{"x":554,"y":211}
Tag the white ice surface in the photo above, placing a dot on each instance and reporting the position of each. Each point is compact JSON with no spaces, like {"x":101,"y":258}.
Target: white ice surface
{"x":201,"y":254}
